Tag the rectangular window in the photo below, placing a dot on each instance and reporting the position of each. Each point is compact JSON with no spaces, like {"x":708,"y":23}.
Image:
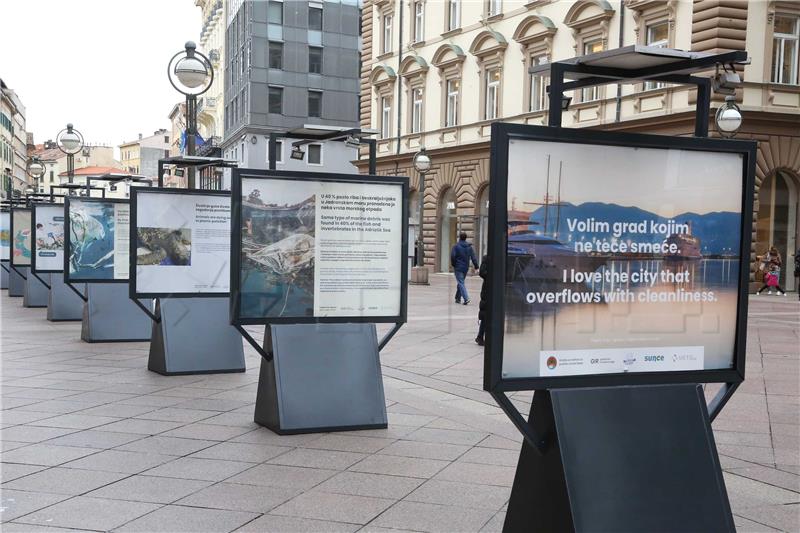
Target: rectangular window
{"x":315,"y":18}
{"x":314,"y":154}
{"x":387,"y":34}
{"x":451,"y":111}
{"x":416,"y":110}
{"x":492,"y":107}
{"x":52,"y":176}
{"x":276,"y":100}
{"x":386,"y":117}
{"x":315,"y":104}
{"x":275,"y":12}
{"x":278,"y":151}
{"x":493,"y":7}
{"x":275,"y":55}
{"x":419,"y":21}
{"x":538,"y":86}
{"x":453,"y":14}
{"x":314,"y":60}
{"x":786,"y":50}
{"x":589,"y":94}
{"x":657,"y":37}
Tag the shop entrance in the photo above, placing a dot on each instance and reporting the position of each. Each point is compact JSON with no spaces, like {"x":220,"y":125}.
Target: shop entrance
{"x":777,"y":221}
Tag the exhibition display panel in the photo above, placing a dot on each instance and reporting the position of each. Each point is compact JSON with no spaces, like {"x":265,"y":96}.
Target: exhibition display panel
{"x":5,"y":247}
{"x":631,"y":271}
{"x":96,"y":240}
{"x":313,"y":248}
{"x":47,"y":245}
{"x":20,"y":231}
{"x":179,"y":243}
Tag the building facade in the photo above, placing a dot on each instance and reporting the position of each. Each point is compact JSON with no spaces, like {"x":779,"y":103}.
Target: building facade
{"x":210,"y":105}
{"x":13,"y":143}
{"x":287,"y":64}
{"x":141,"y":156}
{"x":453,"y":67}
{"x":55,"y":162}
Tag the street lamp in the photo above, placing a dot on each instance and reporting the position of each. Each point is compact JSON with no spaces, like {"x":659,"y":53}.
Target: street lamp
{"x":422,"y":164}
{"x":191,"y":74}
{"x":70,"y":141}
{"x":728,"y":117}
{"x":36,"y":171}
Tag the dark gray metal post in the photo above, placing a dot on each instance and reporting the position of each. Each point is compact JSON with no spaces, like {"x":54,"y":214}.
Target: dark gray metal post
{"x":191,"y":133}
{"x":702,"y":108}
{"x":556,"y":95}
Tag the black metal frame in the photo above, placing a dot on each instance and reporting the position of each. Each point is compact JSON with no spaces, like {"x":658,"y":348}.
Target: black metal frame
{"x":34,"y":205}
{"x":498,"y":218}
{"x":68,"y":243}
{"x":187,"y":163}
{"x":11,"y":236}
{"x":236,"y":245}
{"x":134,"y":199}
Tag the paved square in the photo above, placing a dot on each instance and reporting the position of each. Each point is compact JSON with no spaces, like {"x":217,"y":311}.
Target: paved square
{"x":94,"y":441}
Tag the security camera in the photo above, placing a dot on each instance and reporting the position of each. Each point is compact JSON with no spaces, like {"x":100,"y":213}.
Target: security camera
{"x":726,"y":83}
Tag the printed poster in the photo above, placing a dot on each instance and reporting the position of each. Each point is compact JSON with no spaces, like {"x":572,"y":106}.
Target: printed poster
{"x":631,"y":265}
{"x":21,"y":238}
{"x":49,"y":238}
{"x":99,"y":240}
{"x":320,"y":249}
{"x":182,"y":242}
{"x":5,"y":235}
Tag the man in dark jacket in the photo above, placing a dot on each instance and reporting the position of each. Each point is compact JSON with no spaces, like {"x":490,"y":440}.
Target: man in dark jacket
{"x":460,"y":257}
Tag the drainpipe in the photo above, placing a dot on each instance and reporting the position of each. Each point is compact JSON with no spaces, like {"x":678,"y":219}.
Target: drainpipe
{"x":619,"y":45}
{"x":399,"y":77}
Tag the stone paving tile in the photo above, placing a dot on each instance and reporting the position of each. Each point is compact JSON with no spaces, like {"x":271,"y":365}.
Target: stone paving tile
{"x":425,"y":450}
{"x":479,"y":474}
{"x":173,"y":414}
{"x":207,"y":432}
{"x":16,"y":503}
{"x":10,"y":471}
{"x":377,"y":485}
{"x":167,"y":445}
{"x":202,"y":469}
{"x":349,"y":443}
{"x":468,"y":495}
{"x":291,"y":477}
{"x":91,"y":438}
{"x":176,"y":518}
{"x":448,"y":436}
{"x":74,"y":421}
{"x":32,"y":433}
{"x":45,"y":454}
{"x":399,"y":466}
{"x":242,"y":451}
{"x":119,"y":461}
{"x":8,"y":445}
{"x":288,"y":524}
{"x":348,"y":508}
{"x":313,"y":458}
{"x":140,"y":427}
{"x":430,"y":517}
{"x":236,"y":497}
{"x":68,"y":481}
{"x":89,"y":513}
{"x":781,"y":517}
{"x":150,"y":489}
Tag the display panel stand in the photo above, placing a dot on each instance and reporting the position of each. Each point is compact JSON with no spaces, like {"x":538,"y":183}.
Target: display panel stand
{"x":194,"y":336}
{"x":16,"y":281}
{"x":637,"y":458}
{"x":110,"y":316}
{"x":64,"y":303}
{"x":320,"y":377}
{"x":4,"y":268}
{"x":36,"y":290}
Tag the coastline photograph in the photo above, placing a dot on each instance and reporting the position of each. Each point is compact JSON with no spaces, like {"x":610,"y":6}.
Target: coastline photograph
{"x":278,"y":247}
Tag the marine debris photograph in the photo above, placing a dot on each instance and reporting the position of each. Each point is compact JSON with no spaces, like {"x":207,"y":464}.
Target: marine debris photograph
{"x":50,"y":235}
{"x":91,"y":250}
{"x":164,"y":246}
{"x":277,"y":266}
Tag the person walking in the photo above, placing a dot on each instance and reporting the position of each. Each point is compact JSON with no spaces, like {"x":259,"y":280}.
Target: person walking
{"x":797,"y":270}
{"x":483,"y":272}
{"x":771,"y":266}
{"x":460,"y":257}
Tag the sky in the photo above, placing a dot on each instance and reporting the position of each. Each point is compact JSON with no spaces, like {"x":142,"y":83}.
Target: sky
{"x":99,"y":64}
{"x":664,"y":182}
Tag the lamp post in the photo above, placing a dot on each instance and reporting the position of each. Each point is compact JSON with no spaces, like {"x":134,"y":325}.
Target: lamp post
{"x":36,"y":171}
{"x":70,"y":141}
{"x":422,"y":164}
{"x":728,"y":117}
{"x":191,"y":74}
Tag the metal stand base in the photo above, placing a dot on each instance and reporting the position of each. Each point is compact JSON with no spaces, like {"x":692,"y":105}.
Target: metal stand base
{"x":110,"y":316}
{"x":194,"y":336}
{"x":36,"y":292}
{"x":323,"y":377}
{"x":16,"y":283}
{"x":620,"y":459}
{"x":63,"y":304}
{"x":4,"y":275}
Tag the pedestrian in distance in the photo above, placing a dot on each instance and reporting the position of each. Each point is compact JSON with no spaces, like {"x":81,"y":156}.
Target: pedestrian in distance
{"x":797,"y":270}
{"x":771,"y":267}
{"x":483,"y":272}
{"x":460,"y":257}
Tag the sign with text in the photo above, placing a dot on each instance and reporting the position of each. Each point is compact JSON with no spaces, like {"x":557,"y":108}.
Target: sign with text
{"x":20,"y":236}
{"x":180,"y":242}
{"x":48,"y":238}
{"x":618,"y":255}
{"x":97,"y":240}
{"x":318,"y":248}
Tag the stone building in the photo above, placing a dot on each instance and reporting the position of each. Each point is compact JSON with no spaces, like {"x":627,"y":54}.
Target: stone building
{"x":439,"y":78}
